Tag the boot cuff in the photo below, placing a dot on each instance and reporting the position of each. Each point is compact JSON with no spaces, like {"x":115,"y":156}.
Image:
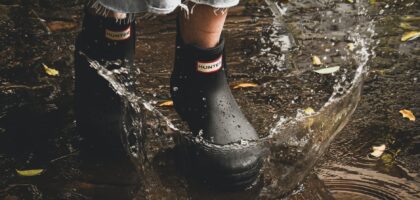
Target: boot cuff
{"x":205,"y":54}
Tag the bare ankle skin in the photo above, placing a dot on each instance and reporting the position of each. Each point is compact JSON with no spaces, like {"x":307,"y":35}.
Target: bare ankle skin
{"x":116,"y":15}
{"x":203,"y":26}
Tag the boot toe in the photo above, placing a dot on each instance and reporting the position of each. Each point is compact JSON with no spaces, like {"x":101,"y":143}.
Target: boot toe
{"x":228,"y":167}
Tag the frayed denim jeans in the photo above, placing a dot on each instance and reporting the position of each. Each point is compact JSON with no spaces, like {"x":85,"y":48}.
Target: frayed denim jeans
{"x":157,"y":6}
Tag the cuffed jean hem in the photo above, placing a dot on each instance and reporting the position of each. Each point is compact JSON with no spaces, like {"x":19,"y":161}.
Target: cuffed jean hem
{"x":158,"y":6}
{"x":161,"y":11}
{"x":217,"y":4}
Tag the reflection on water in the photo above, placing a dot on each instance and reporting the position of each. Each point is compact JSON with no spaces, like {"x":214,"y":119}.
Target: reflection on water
{"x":274,"y":52}
{"x":365,"y":182}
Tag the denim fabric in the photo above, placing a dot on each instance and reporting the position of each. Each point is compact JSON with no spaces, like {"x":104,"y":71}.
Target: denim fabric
{"x":217,"y":3}
{"x":158,"y":6}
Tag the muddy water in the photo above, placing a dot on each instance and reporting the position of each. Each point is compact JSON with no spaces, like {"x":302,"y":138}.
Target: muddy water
{"x":273,"y":51}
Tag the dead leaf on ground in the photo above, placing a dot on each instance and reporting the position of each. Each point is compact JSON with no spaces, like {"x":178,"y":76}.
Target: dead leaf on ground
{"x":166,"y":104}
{"x":408,"y":114}
{"x":406,"y":26}
{"x":309,"y":122}
{"x":50,"y":71}
{"x":378,"y":150}
{"x":328,"y":70}
{"x":31,"y":172}
{"x":410,"y":36}
{"x":350,"y":46}
{"x":379,"y":71}
{"x":387,"y":158}
{"x":316,"y":60}
{"x":61,"y":25}
{"x":309,"y":111}
{"x":410,"y":18}
{"x":244,"y":85}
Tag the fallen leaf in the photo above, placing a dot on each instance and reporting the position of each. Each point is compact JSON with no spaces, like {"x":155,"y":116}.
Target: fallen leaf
{"x":61,"y":25}
{"x":309,"y":111}
{"x":328,"y":70}
{"x":406,"y":26}
{"x":372,"y":2}
{"x":378,"y":150}
{"x":350,"y":46}
{"x":309,"y":122}
{"x":31,"y":172}
{"x":244,"y":85}
{"x":408,"y":114}
{"x":387,"y":158}
{"x":166,"y":104}
{"x":410,"y":36}
{"x":316,"y":60}
{"x":410,"y":18}
{"x":380,"y":72}
{"x":86,"y":186}
{"x":50,"y":71}
{"x":350,"y":1}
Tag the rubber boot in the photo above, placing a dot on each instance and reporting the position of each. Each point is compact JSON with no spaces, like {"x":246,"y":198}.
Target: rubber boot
{"x":98,"y":107}
{"x":202,"y":98}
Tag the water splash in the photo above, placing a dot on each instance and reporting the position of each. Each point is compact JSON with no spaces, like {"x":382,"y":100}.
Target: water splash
{"x":292,"y":144}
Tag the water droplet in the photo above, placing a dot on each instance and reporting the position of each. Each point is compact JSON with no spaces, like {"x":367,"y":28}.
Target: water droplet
{"x":244,"y":142}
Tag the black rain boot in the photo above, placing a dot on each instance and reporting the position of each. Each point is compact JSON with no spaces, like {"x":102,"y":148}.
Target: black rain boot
{"x":202,"y":98}
{"x":98,"y":107}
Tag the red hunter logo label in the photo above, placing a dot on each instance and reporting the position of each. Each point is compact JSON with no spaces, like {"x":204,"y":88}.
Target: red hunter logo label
{"x":118,"y":35}
{"x":209,"y":66}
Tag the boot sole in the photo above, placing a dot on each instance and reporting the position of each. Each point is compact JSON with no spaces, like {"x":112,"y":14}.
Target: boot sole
{"x":213,"y":166}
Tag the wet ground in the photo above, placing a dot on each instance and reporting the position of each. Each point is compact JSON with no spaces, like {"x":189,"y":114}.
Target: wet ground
{"x":37,"y":127}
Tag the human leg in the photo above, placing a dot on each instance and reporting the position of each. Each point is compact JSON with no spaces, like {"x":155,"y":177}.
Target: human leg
{"x":203,"y":27}
{"x":202,"y":97}
{"x":104,"y":38}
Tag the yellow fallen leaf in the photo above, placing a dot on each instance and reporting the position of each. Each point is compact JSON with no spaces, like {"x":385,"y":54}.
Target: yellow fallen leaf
{"x":410,"y":36}
{"x":379,"y":71}
{"x":388,"y":159}
{"x":244,"y":85}
{"x":61,"y":25}
{"x":406,"y":26}
{"x":31,"y":172}
{"x":350,"y":1}
{"x":410,"y":18}
{"x":309,"y":111}
{"x":50,"y":71}
{"x":328,"y":70}
{"x":378,"y":150}
{"x":372,"y":2}
{"x":309,"y":122}
{"x":166,"y":104}
{"x":316,"y":60}
{"x":408,"y":114}
{"x":350,"y":46}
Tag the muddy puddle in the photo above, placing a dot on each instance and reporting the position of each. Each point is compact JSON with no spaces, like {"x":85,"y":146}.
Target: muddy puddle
{"x":296,"y":110}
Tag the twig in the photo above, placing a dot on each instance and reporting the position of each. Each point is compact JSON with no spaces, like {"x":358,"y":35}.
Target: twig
{"x":42,"y":22}
{"x":65,"y":156}
{"x":11,"y":87}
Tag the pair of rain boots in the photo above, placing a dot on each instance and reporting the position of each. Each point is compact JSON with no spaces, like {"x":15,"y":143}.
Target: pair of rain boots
{"x":201,"y":96}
